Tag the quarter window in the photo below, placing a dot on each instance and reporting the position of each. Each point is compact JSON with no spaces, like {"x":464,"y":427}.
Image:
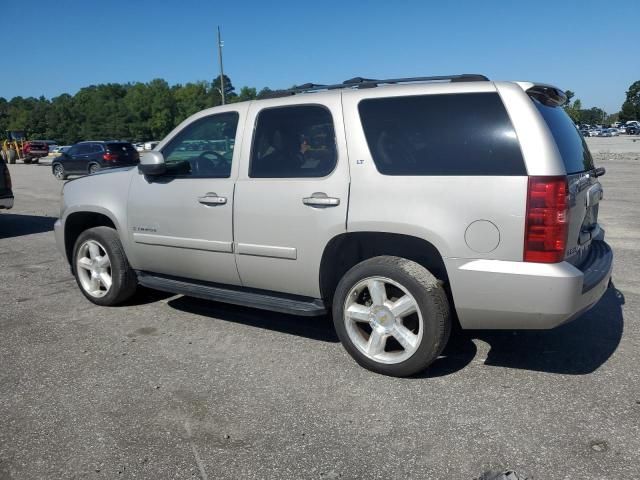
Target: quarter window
{"x":461,"y":134}
{"x":293,"y":142}
{"x":204,"y":148}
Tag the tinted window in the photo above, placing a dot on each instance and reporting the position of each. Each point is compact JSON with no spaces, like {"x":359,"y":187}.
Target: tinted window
{"x":204,"y":148}
{"x":293,"y":142}
{"x":82,"y":149}
{"x":120,"y":147}
{"x":461,"y":134}
{"x":96,"y":148}
{"x":572,"y":147}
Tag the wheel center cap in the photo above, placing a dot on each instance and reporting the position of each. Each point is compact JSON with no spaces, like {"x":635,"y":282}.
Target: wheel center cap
{"x":381,"y":317}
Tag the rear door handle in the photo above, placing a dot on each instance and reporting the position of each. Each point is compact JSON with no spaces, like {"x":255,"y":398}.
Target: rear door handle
{"x":212,"y":199}
{"x":320,"y":199}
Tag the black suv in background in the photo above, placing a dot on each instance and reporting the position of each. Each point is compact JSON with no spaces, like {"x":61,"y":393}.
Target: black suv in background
{"x":89,"y":157}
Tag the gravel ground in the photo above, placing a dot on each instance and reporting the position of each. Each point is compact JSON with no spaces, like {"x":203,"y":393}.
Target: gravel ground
{"x":173,"y":387}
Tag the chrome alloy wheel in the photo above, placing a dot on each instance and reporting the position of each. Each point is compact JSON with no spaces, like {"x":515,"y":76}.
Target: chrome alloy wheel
{"x":383,"y":320}
{"x":93,"y":268}
{"x":58,"y":171}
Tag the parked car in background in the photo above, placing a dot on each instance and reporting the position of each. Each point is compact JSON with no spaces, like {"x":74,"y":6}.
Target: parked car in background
{"x":139,"y":147}
{"x":633,"y":128}
{"x":150,"y":145}
{"x":88,"y":157}
{"x":34,"y":150}
{"x":584,"y":131}
{"x":59,"y":150}
{"x":6,"y":194}
{"x":595,"y":132}
{"x":609,"y":132}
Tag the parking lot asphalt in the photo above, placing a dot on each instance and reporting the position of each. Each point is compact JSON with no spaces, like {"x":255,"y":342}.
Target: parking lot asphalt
{"x":174,"y":387}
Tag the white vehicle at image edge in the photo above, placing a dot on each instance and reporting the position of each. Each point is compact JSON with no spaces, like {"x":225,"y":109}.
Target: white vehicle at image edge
{"x":358,"y":200}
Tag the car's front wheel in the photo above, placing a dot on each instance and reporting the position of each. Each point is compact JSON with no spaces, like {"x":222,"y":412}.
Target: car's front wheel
{"x":392,"y":315}
{"x":101,"y":267}
{"x":58,"y":171}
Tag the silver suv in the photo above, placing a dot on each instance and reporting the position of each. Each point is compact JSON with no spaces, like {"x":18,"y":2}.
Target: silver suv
{"x":400,"y":206}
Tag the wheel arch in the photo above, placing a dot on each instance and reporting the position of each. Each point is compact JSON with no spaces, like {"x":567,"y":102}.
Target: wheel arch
{"x":346,"y":250}
{"x":79,"y":221}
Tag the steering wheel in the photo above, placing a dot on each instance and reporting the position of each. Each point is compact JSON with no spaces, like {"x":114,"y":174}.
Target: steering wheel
{"x":204,"y":164}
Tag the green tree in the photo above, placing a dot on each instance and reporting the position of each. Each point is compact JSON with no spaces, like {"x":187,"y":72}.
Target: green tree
{"x":229,"y":90}
{"x":190,"y":98}
{"x":246,"y":93}
{"x":631,"y":106}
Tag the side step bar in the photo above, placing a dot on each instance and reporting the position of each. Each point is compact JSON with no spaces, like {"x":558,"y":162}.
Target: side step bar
{"x":265,"y":300}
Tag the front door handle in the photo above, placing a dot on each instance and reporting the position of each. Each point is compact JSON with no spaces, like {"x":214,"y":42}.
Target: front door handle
{"x":212,"y":199}
{"x":320,"y":199}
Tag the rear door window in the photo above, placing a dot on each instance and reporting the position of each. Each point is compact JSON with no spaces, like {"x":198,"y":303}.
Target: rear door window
{"x":293,"y":142}
{"x":573,"y":149}
{"x":451,"y":134}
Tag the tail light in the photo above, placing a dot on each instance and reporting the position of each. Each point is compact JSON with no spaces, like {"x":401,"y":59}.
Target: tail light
{"x":26,"y":148}
{"x":110,"y":157}
{"x":546,"y":225}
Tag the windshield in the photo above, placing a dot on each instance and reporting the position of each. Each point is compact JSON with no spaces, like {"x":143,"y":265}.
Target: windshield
{"x":573,"y":149}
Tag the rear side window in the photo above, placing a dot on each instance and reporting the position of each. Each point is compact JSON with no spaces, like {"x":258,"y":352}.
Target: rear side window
{"x":293,"y":142}
{"x":122,"y":147}
{"x":573,"y":149}
{"x":453,"y":134}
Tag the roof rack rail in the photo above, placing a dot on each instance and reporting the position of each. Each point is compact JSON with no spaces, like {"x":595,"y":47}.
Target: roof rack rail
{"x":360,"y":82}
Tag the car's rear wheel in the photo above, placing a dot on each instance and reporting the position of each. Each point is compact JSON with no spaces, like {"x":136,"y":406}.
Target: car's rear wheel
{"x":391,"y":315}
{"x":93,"y":168}
{"x":27,"y":160}
{"x":58,"y":171}
{"x":101,"y":267}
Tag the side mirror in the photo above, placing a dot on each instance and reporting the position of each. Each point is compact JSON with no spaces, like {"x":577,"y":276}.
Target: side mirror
{"x":152,"y":163}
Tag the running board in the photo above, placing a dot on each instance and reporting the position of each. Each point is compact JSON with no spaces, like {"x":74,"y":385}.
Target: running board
{"x":265,"y":300}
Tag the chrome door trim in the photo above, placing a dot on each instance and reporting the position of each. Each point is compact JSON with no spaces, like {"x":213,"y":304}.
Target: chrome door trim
{"x":182,"y":242}
{"x":289,"y":253}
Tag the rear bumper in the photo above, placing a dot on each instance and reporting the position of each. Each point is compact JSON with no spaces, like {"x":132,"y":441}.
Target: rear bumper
{"x":495,"y":294}
{"x":6,"y":202}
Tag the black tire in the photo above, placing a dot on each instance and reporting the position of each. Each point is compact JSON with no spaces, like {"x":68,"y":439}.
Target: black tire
{"x":58,"y":171}
{"x":93,"y":168}
{"x":124,"y":280}
{"x":430,"y":298}
{"x":36,"y":160}
{"x":27,"y":160}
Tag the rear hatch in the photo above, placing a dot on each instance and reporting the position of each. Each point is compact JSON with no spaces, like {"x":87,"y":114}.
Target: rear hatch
{"x":584,"y":188}
{"x":123,"y":153}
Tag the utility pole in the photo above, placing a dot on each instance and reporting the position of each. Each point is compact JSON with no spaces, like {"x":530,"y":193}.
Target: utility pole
{"x":221,"y":70}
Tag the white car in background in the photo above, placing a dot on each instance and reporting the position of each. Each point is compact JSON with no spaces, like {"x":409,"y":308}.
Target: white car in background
{"x":59,"y":150}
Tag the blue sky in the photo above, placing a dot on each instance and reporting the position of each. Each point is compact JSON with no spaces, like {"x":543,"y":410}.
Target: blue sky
{"x":576,"y":45}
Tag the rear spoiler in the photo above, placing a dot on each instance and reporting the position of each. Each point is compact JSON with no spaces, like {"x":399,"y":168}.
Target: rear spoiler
{"x":546,"y":94}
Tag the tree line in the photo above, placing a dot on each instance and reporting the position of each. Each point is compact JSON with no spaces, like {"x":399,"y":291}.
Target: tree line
{"x":630,"y":109}
{"x":146,"y":111}
{"x":131,"y":111}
